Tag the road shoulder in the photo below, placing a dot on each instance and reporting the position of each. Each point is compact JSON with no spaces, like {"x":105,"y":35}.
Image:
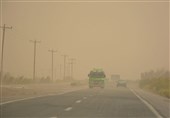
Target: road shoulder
{"x":14,"y":93}
{"x":161,"y":104}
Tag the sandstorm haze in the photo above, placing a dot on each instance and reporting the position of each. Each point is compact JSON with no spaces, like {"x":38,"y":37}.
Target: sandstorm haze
{"x":124,"y":38}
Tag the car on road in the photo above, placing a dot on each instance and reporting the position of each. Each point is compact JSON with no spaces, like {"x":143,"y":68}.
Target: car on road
{"x":122,"y":83}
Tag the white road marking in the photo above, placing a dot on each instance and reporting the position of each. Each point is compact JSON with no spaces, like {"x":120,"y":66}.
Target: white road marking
{"x":21,"y":99}
{"x":147,"y":104}
{"x":68,"y":109}
{"x":28,"y":98}
{"x":78,"y":101}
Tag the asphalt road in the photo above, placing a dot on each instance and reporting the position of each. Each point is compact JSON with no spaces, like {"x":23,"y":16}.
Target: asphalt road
{"x":110,"y":102}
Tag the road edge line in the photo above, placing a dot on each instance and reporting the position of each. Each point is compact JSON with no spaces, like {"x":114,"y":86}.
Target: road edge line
{"x":28,"y":98}
{"x":157,"y":114}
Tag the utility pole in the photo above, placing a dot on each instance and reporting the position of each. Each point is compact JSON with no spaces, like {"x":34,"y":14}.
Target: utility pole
{"x":64,"y":73}
{"x":35,"y":46}
{"x":71,"y":63}
{"x":68,"y":70}
{"x":52,"y":52}
{"x":2,"y":53}
{"x":60,"y":71}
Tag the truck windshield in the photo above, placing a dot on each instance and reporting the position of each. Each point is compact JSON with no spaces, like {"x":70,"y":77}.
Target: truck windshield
{"x":97,"y":74}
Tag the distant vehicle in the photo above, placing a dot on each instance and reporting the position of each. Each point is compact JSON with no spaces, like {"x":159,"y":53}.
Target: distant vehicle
{"x":122,"y":83}
{"x":97,"y":78}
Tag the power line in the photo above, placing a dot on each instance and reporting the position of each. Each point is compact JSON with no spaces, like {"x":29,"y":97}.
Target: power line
{"x":2,"y":53}
{"x":52,"y":52}
{"x":35,"y":45}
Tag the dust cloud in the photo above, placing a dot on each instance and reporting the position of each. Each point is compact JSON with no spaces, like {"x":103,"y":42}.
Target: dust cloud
{"x":125,"y":38}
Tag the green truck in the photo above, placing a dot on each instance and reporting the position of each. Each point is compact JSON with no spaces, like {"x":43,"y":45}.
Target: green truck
{"x":96,"y":78}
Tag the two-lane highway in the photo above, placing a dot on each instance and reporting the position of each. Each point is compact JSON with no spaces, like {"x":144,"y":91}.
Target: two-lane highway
{"x":110,"y":102}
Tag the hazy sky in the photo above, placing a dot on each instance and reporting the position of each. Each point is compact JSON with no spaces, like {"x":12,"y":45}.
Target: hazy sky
{"x":124,"y":38}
